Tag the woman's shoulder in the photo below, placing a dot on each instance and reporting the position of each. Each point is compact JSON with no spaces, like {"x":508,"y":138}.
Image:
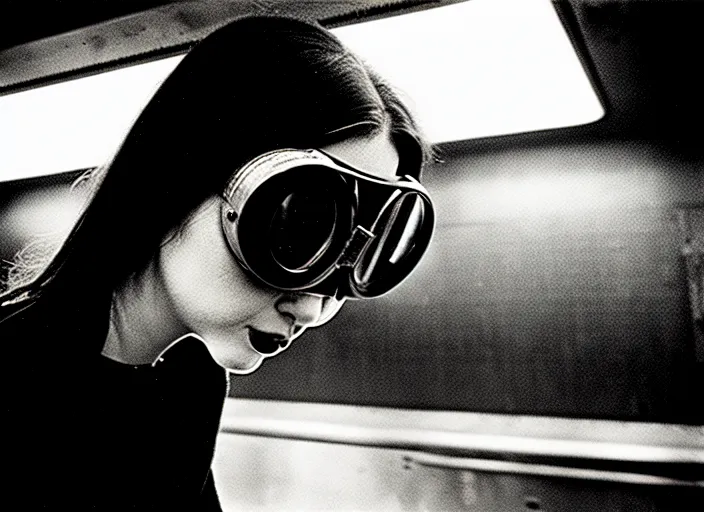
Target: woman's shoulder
{"x":41,"y":325}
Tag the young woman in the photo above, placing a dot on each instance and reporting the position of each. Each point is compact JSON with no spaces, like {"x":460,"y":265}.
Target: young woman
{"x":272,"y":176}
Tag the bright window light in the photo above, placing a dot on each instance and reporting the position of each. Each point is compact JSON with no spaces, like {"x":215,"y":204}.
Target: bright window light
{"x":481,"y":68}
{"x":473,"y":69}
{"x":76,"y":124}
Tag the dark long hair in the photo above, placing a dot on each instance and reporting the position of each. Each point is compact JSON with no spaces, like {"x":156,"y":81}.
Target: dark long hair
{"x":258,"y":84}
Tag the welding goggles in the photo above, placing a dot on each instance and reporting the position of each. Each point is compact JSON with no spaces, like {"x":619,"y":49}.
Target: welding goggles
{"x":306,"y":221}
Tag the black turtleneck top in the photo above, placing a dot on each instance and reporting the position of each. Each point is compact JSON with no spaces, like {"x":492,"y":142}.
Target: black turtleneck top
{"x":83,"y":432}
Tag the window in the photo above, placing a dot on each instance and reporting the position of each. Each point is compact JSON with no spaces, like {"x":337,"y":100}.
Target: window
{"x":471,"y":69}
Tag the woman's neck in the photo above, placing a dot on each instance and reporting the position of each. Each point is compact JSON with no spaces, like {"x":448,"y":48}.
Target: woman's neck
{"x":142,"y":322}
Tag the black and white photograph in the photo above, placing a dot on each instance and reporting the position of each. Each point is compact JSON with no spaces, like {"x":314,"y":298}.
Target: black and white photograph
{"x":358,"y":255}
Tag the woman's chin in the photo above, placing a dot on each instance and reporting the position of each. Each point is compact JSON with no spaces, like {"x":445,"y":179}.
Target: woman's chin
{"x":240,"y":364}
{"x":242,"y":369}
{"x":239,"y":360}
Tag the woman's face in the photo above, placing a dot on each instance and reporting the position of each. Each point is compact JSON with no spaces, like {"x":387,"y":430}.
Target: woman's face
{"x":212,"y":296}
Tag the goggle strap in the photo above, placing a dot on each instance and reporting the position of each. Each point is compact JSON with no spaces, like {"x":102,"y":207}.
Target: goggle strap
{"x":354,"y":247}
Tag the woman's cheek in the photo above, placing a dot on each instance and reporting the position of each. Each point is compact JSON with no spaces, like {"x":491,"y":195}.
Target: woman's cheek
{"x":209,"y":289}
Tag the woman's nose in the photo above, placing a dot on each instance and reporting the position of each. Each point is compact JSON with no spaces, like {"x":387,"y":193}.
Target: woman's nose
{"x":303,"y":307}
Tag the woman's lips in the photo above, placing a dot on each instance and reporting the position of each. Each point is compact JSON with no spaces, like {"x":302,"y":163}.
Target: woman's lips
{"x":266,"y":343}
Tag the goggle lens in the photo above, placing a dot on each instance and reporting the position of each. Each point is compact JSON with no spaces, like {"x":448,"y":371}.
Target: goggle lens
{"x":385,"y":262}
{"x":302,"y":228}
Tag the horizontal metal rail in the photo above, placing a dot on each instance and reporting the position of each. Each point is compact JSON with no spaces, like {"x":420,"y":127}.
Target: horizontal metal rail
{"x":546,"y":446}
{"x":524,"y":468}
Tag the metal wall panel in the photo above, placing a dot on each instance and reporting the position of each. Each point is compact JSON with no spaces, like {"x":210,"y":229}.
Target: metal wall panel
{"x":556,"y":285}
